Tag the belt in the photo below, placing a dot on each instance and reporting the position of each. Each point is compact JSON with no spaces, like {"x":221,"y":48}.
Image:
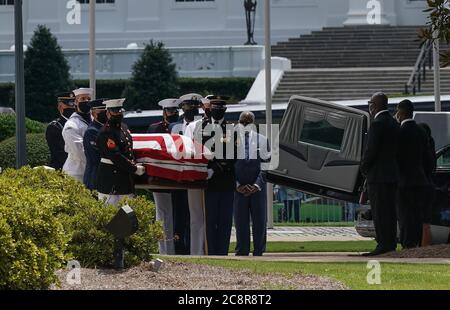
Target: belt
{"x":106,"y":161}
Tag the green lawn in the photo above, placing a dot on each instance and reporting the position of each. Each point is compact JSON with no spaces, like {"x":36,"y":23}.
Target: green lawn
{"x":319,"y":246}
{"x":320,"y":224}
{"x":354,"y":275}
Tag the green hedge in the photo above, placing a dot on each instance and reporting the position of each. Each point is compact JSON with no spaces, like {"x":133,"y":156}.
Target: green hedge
{"x":38,"y":153}
{"x":8,"y":126}
{"x":48,"y":218}
{"x":237,"y":88}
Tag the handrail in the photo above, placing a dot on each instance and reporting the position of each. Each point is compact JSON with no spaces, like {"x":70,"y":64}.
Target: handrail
{"x":419,"y":71}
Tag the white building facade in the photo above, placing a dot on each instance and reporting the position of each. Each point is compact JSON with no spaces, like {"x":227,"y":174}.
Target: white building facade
{"x":185,"y":23}
{"x":205,"y":37}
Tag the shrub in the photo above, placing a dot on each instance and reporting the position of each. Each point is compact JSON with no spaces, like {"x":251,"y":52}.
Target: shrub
{"x":46,"y":74}
{"x":153,"y":79}
{"x":38,"y":153}
{"x":237,"y":88}
{"x":32,"y":240}
{"x":8,"y":126}
{"x":47,"y":218}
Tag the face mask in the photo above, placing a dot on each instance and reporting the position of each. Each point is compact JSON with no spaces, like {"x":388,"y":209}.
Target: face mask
{"x":116,"y":120}
{"x":172,"y":119}
{"x":190,"y":115}
{"x":67,"y":113}
{"x":217,"y":114}
{"x":84,"y":107}
{"x":208,"y":113}
{"x":102,"y":118}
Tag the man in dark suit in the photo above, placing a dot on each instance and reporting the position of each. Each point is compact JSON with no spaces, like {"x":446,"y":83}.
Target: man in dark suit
{"x":413,"y":160}
{"x":379,"y":165}
{"x":250,"y":196}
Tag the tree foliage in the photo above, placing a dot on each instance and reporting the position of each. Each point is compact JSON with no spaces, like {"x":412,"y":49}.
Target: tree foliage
{"x":154,"y":78}
{"x":438,"y":26}
{"x":46,"y":74}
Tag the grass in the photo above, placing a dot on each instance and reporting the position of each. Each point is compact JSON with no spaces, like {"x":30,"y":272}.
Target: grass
{"x":317,"y":246}
{"x":354,"y":275}
{"x":324,"y":224}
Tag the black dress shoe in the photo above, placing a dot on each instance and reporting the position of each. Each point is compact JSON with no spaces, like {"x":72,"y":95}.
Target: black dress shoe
{"x":376,"y":252}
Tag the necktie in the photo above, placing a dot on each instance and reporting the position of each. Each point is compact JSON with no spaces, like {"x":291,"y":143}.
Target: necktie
{"x":247,"y":146}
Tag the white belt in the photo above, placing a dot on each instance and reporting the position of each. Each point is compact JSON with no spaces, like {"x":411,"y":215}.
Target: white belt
{"x":106,"y":161}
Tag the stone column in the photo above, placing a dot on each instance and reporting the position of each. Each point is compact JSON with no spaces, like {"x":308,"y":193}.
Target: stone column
{"x":371,"y":12}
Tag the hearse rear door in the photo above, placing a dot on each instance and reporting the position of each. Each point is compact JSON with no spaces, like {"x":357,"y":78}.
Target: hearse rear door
{"x":321,"y":146}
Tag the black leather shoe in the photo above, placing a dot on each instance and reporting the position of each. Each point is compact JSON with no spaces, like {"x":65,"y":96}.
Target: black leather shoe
{"x":376,"y":252}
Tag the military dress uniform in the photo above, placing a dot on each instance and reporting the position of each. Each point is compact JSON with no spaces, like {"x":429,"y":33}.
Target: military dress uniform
{"x":90,"y":148}
{"x":115,"y":176}
{"x":163,"y":199}
{"x":73,"y":134}
{"x":53,"y":133}
{"x":55,"y":141}
{"x":219,"y":195}
{"x":195,"y":197}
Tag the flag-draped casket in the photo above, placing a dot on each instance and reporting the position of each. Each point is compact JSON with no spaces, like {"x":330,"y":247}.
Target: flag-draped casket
{"x":173,"y":158}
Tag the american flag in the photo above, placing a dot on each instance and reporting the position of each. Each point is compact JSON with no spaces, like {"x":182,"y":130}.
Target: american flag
{"x":171,"y":157}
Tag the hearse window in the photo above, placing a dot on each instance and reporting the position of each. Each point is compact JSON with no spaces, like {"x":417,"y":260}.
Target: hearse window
{"x":322,"y":133}
{"x":443,"y":161}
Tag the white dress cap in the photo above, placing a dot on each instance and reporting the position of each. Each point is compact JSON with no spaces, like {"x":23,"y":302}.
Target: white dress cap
{"x":115,"y":103}
{"x":83,"y":91}
{"x":169,"y":103}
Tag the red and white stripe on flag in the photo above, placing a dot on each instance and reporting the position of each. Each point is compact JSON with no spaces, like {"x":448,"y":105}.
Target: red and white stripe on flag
{"x":172,"y":157}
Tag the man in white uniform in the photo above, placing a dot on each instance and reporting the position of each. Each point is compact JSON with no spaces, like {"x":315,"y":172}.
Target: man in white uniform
{"x":73,"y":134}
{"x":163,"y":199}
{"x":196,"y":196}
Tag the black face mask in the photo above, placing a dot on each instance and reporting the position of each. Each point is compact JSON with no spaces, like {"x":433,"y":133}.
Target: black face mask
{"x":173,"y":118}
{"x":84,"y":107}
{"x":190,"y":115}
{"x":67,"y":113}
{"x":208,"y":113}
{"x":116,"y":120}
{"x":218,"y":114}
{"x":102,"y":118}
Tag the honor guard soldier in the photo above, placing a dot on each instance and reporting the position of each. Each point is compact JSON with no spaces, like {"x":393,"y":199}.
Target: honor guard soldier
{"x":196,"y":197}
{"x":73,"y":134}
{"x":99,"y":119}
{"x":115,"y":177}
{"x":219,"y":195}
{"x":163,"y":199}
{"x":187,"y":219}
{"x":53,"y":134}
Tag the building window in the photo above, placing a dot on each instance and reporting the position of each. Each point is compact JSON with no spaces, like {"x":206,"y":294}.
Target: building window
{"x":322,"y":134}
{"x":6,"y":2}
{"x":97,"y":1}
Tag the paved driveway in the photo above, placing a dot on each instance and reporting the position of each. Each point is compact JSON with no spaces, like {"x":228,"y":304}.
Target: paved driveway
{"x":297,"y":234}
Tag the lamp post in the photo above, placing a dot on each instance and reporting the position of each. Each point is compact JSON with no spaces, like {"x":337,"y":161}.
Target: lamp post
{"x":250,"y":16}
{"x":268,"y":71}
{"x":21,"y":155}
{"x":437,"y":75}
{"x":92,"y":65}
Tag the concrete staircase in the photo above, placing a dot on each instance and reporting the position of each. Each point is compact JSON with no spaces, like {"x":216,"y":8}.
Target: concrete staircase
{"x":351,"y":62}
{"x":355,"y":46}
{"x":348,"y":84}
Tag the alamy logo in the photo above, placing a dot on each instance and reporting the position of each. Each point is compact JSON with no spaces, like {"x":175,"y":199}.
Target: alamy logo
{"x":374,"y":275}
{"x":73,"y":17}
{"x":74,"y":275}
{"x":374,"y":14}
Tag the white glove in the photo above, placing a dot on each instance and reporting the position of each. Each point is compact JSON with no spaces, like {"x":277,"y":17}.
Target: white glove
{"x":140,"y":170}
{"x":210,"y":174}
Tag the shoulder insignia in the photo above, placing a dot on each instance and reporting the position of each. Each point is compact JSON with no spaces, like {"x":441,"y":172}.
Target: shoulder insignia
{"x":111,"y":144}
